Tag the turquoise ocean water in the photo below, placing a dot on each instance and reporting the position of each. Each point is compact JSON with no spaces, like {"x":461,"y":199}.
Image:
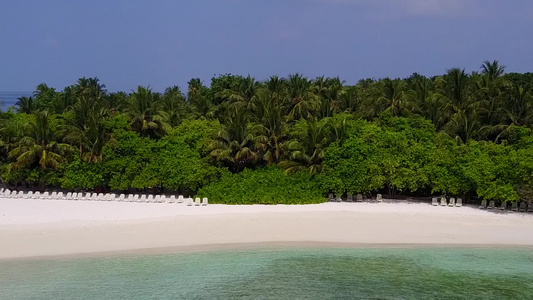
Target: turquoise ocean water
{"x":278,"y":274}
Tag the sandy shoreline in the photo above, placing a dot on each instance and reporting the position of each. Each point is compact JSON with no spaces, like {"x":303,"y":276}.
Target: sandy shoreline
{"x":40,"y":228}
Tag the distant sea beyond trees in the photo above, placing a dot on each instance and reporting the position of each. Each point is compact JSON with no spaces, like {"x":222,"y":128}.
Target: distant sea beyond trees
{"x":9,"y":99}
{"x":282,"y":140}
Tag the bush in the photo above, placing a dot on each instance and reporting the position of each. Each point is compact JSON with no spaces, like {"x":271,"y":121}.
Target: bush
{"x":378,"y":156}
{"x":169,"y":163}
{"x":263,"y":186}
{"x":79,"y":174}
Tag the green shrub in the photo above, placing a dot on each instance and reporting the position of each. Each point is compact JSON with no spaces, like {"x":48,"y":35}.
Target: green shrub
{"x":79,"y":174}
{"x":263,"y":186}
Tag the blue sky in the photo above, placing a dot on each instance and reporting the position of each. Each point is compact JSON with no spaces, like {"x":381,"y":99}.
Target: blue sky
{"x":164,"y":43}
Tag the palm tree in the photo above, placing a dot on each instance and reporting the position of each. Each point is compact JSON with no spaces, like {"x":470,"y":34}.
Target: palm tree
{"x":518,"y":109}
{"x":85,"y":119}
{"x":395,"y":98}
{"x":143,"y":110}
{"x":97,"y":135}
{"x":87,"y":130}
{"x":172,"y":107}
{"x":462,"y":107}
{"x":40,"y":147}
{"x":304,"y":103}
{"x":306,"y":154}
{"x":271,"y":132}
{"x":65,"y":100}
{"x":25,"y":105}
{"x":349,"y":100}
{"x":242,"y":95}
{"x":268,"y":106}
{"x":200,"y":105}
{"x":234,"y":146}
{"x":11,"y":131}
{"x":270,"y":145}
{"x":491,"y":89}
{"x":454,"y":86}
{"x":329,"y":92}
{"x":434,"y":109}
{"x":117,"y":102}
{"x":422,"y":88}
{"x":493,"y":70}
{"x":427,"y":103}
{"x":319,"y":87}
{"x":91,"y":87}
{"x":520,"y":105}
{"x":45,"y":97}
{"x":276,"y":85}
{"x":41,"y":89}
{"x":338,"y":126}
{"x":77,"y":122}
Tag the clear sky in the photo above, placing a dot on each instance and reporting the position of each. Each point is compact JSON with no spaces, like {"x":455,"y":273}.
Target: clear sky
{"x":162,"y":43}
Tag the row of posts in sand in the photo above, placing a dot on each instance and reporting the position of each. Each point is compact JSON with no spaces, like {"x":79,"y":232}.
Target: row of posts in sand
{"x":142,"y":198}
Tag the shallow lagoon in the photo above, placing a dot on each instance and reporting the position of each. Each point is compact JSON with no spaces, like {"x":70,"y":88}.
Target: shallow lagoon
{"x":290,"y":273}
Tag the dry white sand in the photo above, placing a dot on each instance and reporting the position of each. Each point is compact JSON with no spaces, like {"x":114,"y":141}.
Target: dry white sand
{"x":30,"y":228}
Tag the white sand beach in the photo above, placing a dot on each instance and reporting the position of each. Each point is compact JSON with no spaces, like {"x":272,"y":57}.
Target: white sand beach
{"x":34,"y":228}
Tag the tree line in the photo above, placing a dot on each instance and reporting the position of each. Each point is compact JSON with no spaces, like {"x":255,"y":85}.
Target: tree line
{"x":458,"y":133}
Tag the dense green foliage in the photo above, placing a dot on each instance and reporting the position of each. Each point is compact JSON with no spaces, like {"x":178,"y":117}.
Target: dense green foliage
{"x":458,"y":134}
{"x":263,"y":186}
{"x":407,"y":155}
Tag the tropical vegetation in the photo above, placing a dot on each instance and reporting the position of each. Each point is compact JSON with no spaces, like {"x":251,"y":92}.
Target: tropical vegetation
{"x":281,"y":140}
